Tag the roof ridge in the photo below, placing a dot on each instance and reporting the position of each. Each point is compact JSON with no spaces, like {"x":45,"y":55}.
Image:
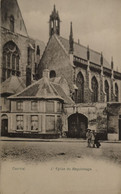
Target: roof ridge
{"x":82,"y":45}
{"x":54,"y":88}
{"x":61,"y":44}
{"x":20,"y":83}
{"x":27,"y":88}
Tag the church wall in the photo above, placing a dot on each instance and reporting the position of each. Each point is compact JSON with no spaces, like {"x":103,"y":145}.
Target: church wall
{"x":22,"y":42}
{"x":97,"y":119}
{"x":114,"y":110}
{"x":10,"y":7}
{"x":119,"y":88}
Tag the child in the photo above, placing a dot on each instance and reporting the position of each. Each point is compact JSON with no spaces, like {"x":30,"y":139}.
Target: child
{"x":97,"y":143}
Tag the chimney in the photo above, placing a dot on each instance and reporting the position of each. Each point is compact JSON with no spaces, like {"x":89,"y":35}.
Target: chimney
{"x":46,"y":73}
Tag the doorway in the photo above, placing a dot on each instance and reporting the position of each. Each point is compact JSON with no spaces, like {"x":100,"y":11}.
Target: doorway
{"x":77,"y":125}
{"x":4,"y":125}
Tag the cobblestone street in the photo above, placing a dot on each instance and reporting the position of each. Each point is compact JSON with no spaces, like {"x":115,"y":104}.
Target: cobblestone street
{"x":60,"y":167}
{"x":53,"y":151}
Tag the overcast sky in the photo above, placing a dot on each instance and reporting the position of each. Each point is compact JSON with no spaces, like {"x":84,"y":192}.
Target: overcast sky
{"x":96,"y":23}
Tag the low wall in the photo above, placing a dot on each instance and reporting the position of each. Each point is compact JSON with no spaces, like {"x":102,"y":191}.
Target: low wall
{"x":112,"y":136}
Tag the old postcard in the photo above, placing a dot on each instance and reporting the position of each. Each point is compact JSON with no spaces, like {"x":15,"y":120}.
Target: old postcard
{"x":60,"y":97}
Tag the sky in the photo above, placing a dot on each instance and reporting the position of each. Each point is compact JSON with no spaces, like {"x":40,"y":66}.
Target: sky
{"x":96,"y":23}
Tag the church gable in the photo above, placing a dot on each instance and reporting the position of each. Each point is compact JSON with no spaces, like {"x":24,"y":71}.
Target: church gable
{"x":56,"y":58}
{"x":11,"y":17}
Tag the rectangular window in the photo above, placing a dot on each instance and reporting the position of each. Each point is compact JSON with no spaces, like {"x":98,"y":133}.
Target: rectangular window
{"x":41,"y":106}
{"x":34,"y":122}
{"x":59,"y":107}
{"x":19,"y":105}
{"x":50,"y":123}
{"x":34,"y":105}
{"x":49,"y":107}
{"x":19,"y":122}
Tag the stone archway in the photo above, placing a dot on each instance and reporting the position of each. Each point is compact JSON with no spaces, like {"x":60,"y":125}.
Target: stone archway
{"x":77,"y":125}
{"x":4,"y":125}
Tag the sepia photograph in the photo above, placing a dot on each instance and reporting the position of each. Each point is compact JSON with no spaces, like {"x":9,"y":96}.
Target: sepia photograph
{"x":60,"y":97}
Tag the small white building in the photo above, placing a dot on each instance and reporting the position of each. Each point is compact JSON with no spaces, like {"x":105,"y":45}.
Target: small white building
{"x":37,"y":110}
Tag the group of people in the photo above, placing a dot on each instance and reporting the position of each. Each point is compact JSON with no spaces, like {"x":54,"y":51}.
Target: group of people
{"x":92,"y":139}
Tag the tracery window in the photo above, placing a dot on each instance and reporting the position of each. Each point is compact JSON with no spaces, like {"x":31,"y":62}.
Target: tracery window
{"x":94,"y":84}
{"x":116,"y":92}
{"x":80,"y":91}
{"x":107,"y":90}
{"x":11,"y":56}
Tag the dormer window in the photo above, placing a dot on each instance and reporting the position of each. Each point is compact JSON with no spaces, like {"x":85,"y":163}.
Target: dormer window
{"x":11,"y":23}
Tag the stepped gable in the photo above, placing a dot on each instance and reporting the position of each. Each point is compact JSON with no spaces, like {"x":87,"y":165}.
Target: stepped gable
{"x":81,"y":52}
{"x":12,"y":85}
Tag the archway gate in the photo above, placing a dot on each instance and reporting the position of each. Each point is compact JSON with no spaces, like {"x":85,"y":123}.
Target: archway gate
{"x":77,"y":125}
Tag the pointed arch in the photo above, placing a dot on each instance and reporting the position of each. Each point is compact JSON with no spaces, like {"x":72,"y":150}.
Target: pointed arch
{"x":116,"y":92}
{"x":11,"y":57}
{"x":107,"y":90}
{"x":80,"y":85}
{"x":94,"y":85}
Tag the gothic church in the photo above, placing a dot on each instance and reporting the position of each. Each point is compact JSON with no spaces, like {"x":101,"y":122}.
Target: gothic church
{"x":76,"y":88}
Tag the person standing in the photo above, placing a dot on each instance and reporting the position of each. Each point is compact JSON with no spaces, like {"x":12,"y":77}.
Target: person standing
{"x":88,"y":136}
{"x":93,"y":138}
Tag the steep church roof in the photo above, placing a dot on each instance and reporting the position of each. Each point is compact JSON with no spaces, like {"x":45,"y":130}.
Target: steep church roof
{"x":81,"y":52}
{"x":44,"y":89}
{"x":11,"y":8}
{"x":12,"y":85}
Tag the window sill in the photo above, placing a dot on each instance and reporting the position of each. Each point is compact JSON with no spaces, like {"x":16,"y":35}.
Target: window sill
{"x":19,"y":130}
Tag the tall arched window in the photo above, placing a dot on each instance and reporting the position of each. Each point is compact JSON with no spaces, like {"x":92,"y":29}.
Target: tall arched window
{"x":10,"y":64}
{"x":80,"y":91}
{"x":107,"y":90}
{"x":116,"y":92}
{"x":94,"y":84}
{"x":11,"y":23}
{"x":52,"y":74}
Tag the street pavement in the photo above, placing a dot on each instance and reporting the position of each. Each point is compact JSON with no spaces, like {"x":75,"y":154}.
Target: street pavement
{"x":66,"y":167}
{"x":52,"y":140}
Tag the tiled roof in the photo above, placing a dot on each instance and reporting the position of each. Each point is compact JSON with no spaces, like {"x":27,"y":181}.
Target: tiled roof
{"x":60,"y":91}
{"x":81,"y":52}
{"x":43,"y":88}
{"x":12,"y":85}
